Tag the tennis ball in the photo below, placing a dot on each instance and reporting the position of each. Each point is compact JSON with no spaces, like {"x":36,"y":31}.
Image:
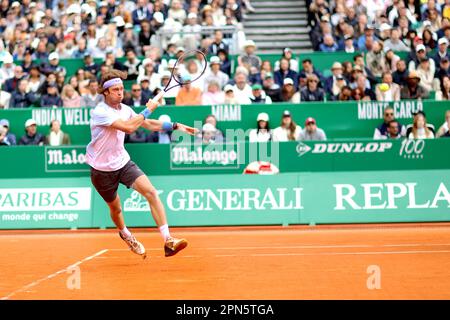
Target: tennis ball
{"x":384,"y":87}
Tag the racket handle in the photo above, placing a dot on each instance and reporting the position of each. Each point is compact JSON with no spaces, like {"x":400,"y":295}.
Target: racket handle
{"x":158,"y":96}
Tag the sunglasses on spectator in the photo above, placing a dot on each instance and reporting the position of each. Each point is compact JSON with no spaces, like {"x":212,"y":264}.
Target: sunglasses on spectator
{"x":389,"y":114}
{"x":313,"y":81}
{"x":136,"y":89}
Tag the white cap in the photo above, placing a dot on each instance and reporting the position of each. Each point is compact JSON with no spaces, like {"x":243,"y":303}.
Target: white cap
{"x":146,"y":61}
{"x":159,"y":17}
{"x":103,"y":4}
{"x":165,"y":74}
{"x":164,"y":118}
{"x":180,"y":49}
{"x":192,"y":15}
{"x":208,"y":127}
{"x":38,"y":15}
{"x":118,"y":20}
{"x":262,"y":117}
{"x":171,"y":63}
{"x":74,"y":8}
{"x":288,"y":81}
{"x":32,"y":5}
{"x":8,"y":58}
{"x":86,"y":8}
{"x":39,"y":26}
{"x":129,"y":26}
{"x":249,"y":43}
{"x":53,"y":55}
{"x":420,"y":47}
{"x":228,"y":87}
{"x":15,"y":4}
{"x":214,"y":59}
{"x":443,"y":41}
{"x":69,"y":30}
{"x":426,"y":23}
{"x":387,"y":49}
{"x":29,"y":122}
{"x":385,"y":27}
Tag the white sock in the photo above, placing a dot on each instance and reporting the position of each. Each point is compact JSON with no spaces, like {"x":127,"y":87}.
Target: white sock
{"x":164,"y":229}
{"x":125,"y":232}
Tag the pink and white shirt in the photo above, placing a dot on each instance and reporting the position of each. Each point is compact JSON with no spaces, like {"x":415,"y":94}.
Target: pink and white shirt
{"x":106,"y":151}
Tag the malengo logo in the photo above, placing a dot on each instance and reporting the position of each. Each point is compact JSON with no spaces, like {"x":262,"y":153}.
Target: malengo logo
{"x":65,"y":159}
{"x":39,"y":199}
{"x":223,"y":155}
{"x":351,"y":147}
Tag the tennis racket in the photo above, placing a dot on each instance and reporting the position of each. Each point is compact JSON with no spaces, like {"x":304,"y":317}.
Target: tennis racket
{"x":177,"y":72}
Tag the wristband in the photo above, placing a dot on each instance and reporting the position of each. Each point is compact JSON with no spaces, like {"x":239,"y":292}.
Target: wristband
{"x":167,"y":126}
{"x":146,"y":113}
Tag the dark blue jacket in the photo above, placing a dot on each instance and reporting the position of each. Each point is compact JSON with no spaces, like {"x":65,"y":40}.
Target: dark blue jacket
{"x":21,"y":100}
{"x":279,"y":77}
{"x":48,"y":101}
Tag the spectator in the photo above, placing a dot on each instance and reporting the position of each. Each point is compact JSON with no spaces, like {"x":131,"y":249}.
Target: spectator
{"x":293,"y":63}
{"x":344,"y":95}
{"x":225,"y":61}
{"x":215,"y":74}
{"x":20,"y":98}
{"x":7,"y":68}
{"x":187,"y":94}
{"x":328,"y":45}
{"x":288,"y":91}
{"x":218,"y":136}
{"x":311,"y":92}
{"x":443,"y":131}
{"x":395,"y":43}
{"x":145,"y":88}
{"x":213,"y":95}
{"x":11,"y":84}
{"x":136,"y":99}
{"x":272,"y":89}
{"x":141,"y":13}
{"x":176,"y":11}
{"x":391,"y":60}
{"x":56,"y":136}
{"x":70,"y":97}
{"x":31,"y":137}
{"x":90,"y":65}
{"x":426,"y":75}
{"x":347,"y":71}
{"x":130,"y":39}
{"x":162,"y":137}
{"x":218,"y":43}
{"x":331,"y":82}
{"x":27,"y":61}
{"x":92,"y":97}
{"x":288,"y":129}
{"x":192,"y":31}
{"x":444,"y":69}
{"x":147,"y":69}
{"x":249,"y":57}
{"x":112,"y":62}
{"x":393,"y":130}
{"x":381,"y":132}
{"x":349,"y":44}
{"x":5,"y":98}
{"x":229,"y":95}
{"x":393,"y":92}
{"x":359,"y":61}
{"x":132,"y":64}
{"x":242,"y":90}
{"x":400,"y":76}
{"x":369,"y":32}
{"x":9,"y":138}
{"x":420,"y":130}
{"x":259,"y":96}
{"x":3,"y":143}
{"x":308,"y":69}
{"x":207,"y":135}
{"x":413,"y":89}
{"x":262,"y":133}
{"x":421,"y":54}
{"x":442,"y":51}
{"x":51,"y":99}
{"x":285,"y":72}
{"x":311,"y":131}
{"x":53,"y":65}
{"x":35,"y":80}
{"x":444,"y":93}
{"x":364,"y":93}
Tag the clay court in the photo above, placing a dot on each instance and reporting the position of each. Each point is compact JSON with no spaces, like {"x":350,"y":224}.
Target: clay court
{"x":324,"y":262}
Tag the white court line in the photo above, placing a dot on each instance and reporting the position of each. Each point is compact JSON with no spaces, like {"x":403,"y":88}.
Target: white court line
{"x":347,"y":253}
{"x":35,"y":283}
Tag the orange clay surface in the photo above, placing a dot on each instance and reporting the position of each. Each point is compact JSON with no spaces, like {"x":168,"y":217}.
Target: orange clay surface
{"x":324,"y":262}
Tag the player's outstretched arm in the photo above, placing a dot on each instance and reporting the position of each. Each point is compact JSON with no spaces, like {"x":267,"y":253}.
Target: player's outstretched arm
{"x":156,"y":125}
{"x":131,"y":125}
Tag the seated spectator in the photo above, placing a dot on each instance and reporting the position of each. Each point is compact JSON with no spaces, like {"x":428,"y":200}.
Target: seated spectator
{"x":218,"y":43}
{"x":52,"y":66}
{"x":311,"y":131}
{"x":141,"y":13}
{"x":7,"y":68}
{"x":331,"y":82}
{"x":27,"y":61}
{"x":112,"y":62}
{"x":395,"y":43}
{"x":51,"y":99}
{"x":308,"y":69}
{"x":401,"y":74}
{"x":5,"y":98}
{"x":218,"y":136}
{"x":162,"y":137}
{"x":70,"y":97}
{"x":242,"y":90}
{"x":328,"y":45}
{"x":344,"y":95}
{"x":413,"y":89}
{"x":187,"y":94}
{"x":311,"y":92}
{"x":132,"y":65}
{"x":349,"y":46}
{"x":225,"y":65}
{"x":393,"y":130}
{"x":381,"y":132}
{"x":393,"y":91}
{"x":9,"y":138}
{"x":207,"y":135}
{"x":285,"y":72}
{"x":359,"y":62}
{"x":213,"y":94}
{"x":262,"y":133}
{"x":443,"y":131}
{"x":215,"y":73}
{"x":420,"y":130}
{"x":11,"y":84}
{"x":31,"y":137}
{"x":293,"y":64}
{"x":375,"y":59}
{"x":421,"y":54}
{"x":20,"y":98}
{"x":288,"y":91}
{"x":444,"y":69}
{"x":3,"y":143}
{"x":444,"y":93}
{"x":426,"y":75}
{"x":136,"y":99}
{"x":259,"y":96}
{"x":229,"y":95}
{"x":391,"y":60}
{"x":56,"y":136}
{"x":147,"y":70}
{"x":249,"y":57}
{"x":92,"y":98}
{"x":35,"y":80}
{"x":272,"y":89}
{"x":90,"y":65}
{"x":369,"y":32}
{"x":145,"y":88}
{"x":288,"y":129}
{"x":442,"y":51}
{"x":364,"y":93}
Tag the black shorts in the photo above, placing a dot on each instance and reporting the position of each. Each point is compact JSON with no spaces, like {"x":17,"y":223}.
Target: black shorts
{"x":107,"y":182}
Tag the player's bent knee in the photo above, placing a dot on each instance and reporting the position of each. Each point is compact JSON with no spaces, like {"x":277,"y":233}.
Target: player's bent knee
{"x":151,"y":194}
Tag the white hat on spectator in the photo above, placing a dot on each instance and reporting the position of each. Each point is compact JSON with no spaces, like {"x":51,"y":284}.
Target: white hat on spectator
{"x":420,"y":47}
{"x":214,"y":60}
{"x":118,"y":20}
{"x":180,"y":49}
{"x":385,"y":27}
{"x":443,"y":40}
{"x":32,"y":5}
{"x":146,"y":61}
{"x":288,"y":81}
{"x":192,"y":15}
{"x":103,"y":4}
{"x":171,"y":63}
{"x":38,"y":15}
{"x":164,"y":118}
{"x":15,"y":4}
{"x":208,"y":127}
{"x":159,"y":17}
{"x":426,"y":23}
{"x":228,"y":87}
{"x":69,"y":30}
{"x":74,"y":8}
{"x":387,"y":49}
{"x":30,"y":122}
{"x":249,"y":43}
{"x":86,"y":8}
{"x":53,"y":56}
{"x":8,"y":58}
{"x":39,"y":26}
{"x":336,"y":65}
{"x":165,"y":74}
{"x":263,"y":117}
{"x":129,"y":26}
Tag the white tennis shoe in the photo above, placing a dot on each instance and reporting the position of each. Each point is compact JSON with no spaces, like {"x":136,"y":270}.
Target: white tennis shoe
{"x":135,"y":246}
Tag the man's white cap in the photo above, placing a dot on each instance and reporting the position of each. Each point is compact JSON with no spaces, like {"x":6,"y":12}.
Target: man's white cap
{"x":165,"y":74}
{"x":214,"y":59}
{"x":228,"y":87}
{"x":74,"y":8}
{"x":118,"y":20}
{"x":32,"y":5}
{"x":288,"y":81}
{"x":39,"y":26}
{"x":249,"y":43}
{"x":208,"y":127}
{"x":443,"y":41}
{"x":29,"y":122}
{"x":171,"y":63}
{"x":180,"y":49}
{"x":159,"y":17}
{"x":8,"y":58}
{"x":420,"y":47}
{"x":86,"y":8}
{"x":385,"y":27}
{"x":262,"y":117}
{"x":192,"y":15}
{"x":103,"y":4}
{"x":69,"y":30}
{"x":426,"y":23}
{"x":164,"y":118}
{"x":39,"y":15}
{"x":129,"y":26}
{"x":15,"y":4}
{"x":146,"y":61}
{"x":53,"y":55}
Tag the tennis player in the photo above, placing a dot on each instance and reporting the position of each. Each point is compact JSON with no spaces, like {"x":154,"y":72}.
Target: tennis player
{"x":110,"y":162}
